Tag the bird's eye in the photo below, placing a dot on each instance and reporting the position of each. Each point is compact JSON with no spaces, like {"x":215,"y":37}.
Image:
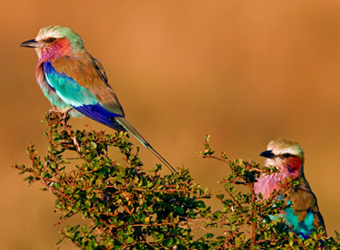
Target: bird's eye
{"x":286,"y":155}
{"x":51,"y":39}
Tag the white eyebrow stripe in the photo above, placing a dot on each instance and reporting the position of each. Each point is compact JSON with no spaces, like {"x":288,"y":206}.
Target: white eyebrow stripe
{"x":50,"y":33}
{"x":291,"y":151}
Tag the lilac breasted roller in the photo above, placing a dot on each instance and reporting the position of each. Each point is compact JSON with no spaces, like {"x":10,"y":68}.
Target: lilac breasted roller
{"x":73,"y":80}
{"x":303,"y":213}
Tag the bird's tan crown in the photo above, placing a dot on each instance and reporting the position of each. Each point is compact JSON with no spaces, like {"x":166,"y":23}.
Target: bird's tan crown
{"x":283,"y":146}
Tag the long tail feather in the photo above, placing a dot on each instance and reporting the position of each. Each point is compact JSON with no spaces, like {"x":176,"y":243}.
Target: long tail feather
{"x":140,"y":138}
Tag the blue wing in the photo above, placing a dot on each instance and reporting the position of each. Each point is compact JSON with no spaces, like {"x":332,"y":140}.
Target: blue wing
{"x":80,"y":98}
{"x":303,"y":228}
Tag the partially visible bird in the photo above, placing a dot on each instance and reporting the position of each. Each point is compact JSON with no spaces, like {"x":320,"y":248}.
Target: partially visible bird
{"x":303,"y":212}
{"x":76,"y":82}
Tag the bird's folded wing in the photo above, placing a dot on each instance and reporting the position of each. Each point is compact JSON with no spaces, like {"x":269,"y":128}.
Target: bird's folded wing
{"x":304,"y":204}
{"x":82,"y":81}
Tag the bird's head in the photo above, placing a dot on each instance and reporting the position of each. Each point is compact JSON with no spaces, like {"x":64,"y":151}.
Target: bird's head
{"x":55,"y":41}
{"x":284,"y":155}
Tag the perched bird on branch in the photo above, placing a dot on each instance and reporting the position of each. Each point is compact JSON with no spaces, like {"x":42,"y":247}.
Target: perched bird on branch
{"x":303,"y":213}
{"x":76,"y":83}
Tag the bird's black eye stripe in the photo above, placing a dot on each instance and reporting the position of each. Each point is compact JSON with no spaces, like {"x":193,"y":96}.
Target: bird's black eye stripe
{"x":50,"y":40}
{"x":286,"y":155}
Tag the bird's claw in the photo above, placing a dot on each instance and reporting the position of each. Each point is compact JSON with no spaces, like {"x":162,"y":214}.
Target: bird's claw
{"x":62,"y":112}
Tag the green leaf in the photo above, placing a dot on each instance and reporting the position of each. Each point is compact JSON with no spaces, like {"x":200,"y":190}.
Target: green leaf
{"x":169,"y":242}
{"x":238,"y":241}
{"x":129,"y":240}
{"x":180,"y":210}
{"x":159,"y":237}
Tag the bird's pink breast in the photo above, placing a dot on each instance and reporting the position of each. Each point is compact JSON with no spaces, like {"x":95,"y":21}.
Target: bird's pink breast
{"x":267,"y":184}
{"x":290,"y":168}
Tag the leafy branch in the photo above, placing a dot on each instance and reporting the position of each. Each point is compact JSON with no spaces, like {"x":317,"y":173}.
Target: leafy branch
{"x":124,"y":207}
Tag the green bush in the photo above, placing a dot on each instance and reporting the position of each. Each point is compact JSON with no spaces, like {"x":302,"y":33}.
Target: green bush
{"x":124,"y":207}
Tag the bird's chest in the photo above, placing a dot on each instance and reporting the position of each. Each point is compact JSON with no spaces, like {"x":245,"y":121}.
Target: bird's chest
{"x":48,"y":90}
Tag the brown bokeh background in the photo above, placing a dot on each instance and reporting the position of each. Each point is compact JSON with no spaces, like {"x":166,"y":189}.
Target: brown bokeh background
{"x":245,"y":72}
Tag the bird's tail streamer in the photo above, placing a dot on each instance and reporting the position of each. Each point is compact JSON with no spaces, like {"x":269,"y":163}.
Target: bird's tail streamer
{"x":140,"y":138}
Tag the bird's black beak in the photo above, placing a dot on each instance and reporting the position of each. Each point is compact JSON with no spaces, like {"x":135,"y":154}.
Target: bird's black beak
{"x":30,"y":44}
{"x":267,"y":154}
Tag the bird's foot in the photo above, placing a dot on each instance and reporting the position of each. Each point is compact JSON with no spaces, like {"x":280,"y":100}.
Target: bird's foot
{"x":62,"y":112}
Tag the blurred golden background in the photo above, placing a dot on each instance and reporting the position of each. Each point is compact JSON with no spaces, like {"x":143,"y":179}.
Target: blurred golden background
{"x":245,"y":72}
